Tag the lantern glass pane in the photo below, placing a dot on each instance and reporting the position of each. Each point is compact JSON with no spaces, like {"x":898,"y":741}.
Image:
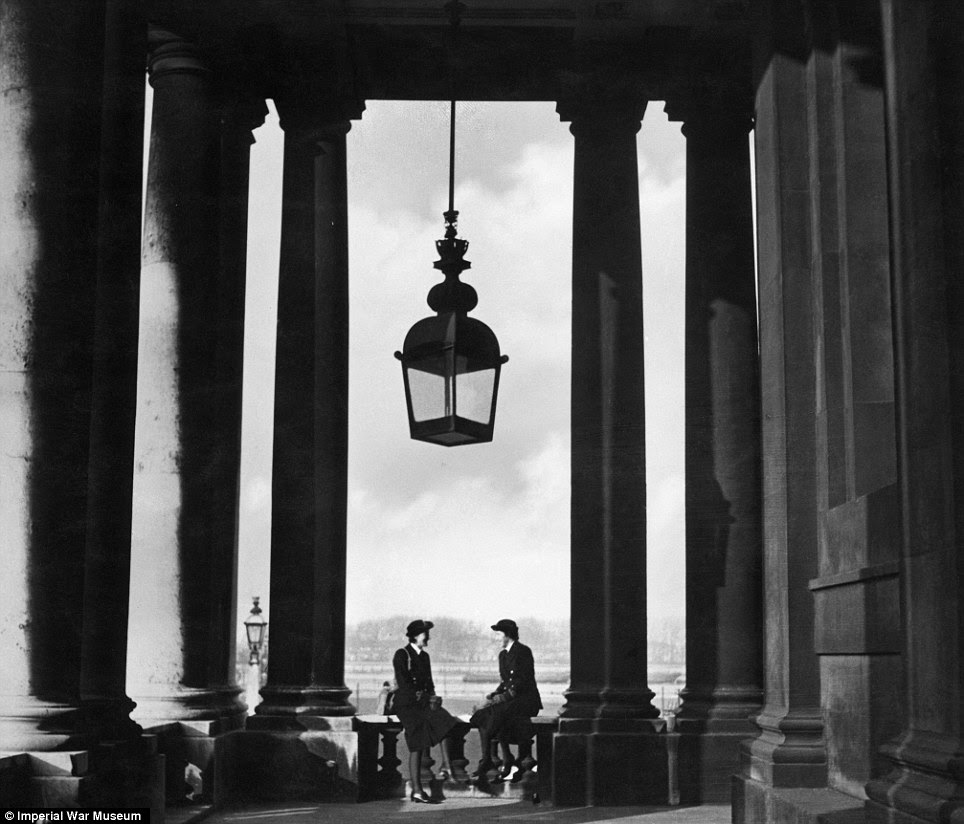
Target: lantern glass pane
{"x":254,"y":633}
{"x":431,"y":395}
{"x":474,"y":392}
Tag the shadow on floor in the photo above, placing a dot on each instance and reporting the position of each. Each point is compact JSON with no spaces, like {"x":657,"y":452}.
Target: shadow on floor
{"x":466,"y":811}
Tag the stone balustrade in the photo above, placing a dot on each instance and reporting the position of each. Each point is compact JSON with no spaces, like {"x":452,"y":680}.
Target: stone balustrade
{"x":378,"y":769}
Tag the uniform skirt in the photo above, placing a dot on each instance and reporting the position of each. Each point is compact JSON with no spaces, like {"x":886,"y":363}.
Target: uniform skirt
{"x":425,"y":726}
{"x":508,"y":720}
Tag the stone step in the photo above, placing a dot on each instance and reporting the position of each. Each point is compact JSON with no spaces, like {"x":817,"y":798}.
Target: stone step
{"x":57,"y":791}
{"x":64,"y":763}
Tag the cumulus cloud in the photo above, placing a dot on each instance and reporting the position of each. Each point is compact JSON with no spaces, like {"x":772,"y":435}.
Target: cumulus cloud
{"x":477,"y":530}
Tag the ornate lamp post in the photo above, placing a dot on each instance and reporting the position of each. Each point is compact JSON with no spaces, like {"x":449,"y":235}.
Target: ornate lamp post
{"x":255,"y":626}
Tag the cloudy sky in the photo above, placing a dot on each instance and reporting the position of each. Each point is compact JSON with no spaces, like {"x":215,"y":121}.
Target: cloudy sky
{"x":476,"y":531}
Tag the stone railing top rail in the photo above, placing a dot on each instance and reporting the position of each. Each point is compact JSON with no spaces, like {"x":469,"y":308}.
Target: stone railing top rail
{"x":541,"y":721}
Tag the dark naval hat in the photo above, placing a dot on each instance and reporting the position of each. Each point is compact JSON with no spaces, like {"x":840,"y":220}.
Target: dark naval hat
{"x":417,"y":627}
{"x":506,"y":625}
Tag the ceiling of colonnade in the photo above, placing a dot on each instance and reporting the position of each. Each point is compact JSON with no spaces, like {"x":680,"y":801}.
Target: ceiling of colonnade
{"x":507,"y":49}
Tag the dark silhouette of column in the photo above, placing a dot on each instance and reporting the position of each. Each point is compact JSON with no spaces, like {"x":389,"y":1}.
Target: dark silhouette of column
{"x":238,"y":118}
{"x":106,"y":707}
{"x":789,"y":750}
{"x":52,"y":116}
{"x":182,"y":593}
{"x":309,"y":482}
{"x":606,"y":731}
{"x":724,"y":633}
{"x":925,"y":131}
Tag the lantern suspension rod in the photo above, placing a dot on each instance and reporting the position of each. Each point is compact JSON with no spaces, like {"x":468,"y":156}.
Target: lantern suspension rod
{"x":454,"y":9}
{"x":452,"y":158}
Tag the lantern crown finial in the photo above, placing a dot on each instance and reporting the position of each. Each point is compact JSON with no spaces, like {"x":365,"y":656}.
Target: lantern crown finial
{"x":452,"y":295}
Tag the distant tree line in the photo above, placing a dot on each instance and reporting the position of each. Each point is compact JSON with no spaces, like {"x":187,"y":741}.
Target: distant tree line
{"x":454,"y":640}
{"x":458,"y":640}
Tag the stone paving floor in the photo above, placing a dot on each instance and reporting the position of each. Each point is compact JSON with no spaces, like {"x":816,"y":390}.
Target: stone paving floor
{"x":466,"y":811}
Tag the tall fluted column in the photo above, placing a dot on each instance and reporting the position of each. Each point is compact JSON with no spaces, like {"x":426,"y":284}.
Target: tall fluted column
{"x":724,"y":632}
{"x":51,"y":71}
{"x":925,"y":131}
{"x":606,"y":731}
{"x":181,"y":611}
{"x":309,"y":486}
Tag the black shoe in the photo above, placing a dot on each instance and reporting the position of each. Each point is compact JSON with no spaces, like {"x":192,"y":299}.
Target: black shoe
{"x":480,"y":773}
{"x":506,"y":771}
{"x":421,"y":798}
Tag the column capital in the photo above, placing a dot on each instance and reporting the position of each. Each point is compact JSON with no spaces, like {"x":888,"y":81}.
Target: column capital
{"x":243,"y":115}
{"x":704,"y":115}
{"x":170,"y":53}
{"x":318,"y":122}
{"x":590,"y":114}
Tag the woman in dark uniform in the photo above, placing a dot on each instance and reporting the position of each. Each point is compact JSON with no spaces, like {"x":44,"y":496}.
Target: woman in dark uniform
{"x":417,"y":706}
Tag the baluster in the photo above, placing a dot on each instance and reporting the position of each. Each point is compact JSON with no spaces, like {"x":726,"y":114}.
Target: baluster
{"x":457,"y":751}
{"x":389,"y":778}
{"x":368,"y":743}
{"x":544,"y":734}
{"x":428,"y":774}
{"x":525,"y":759}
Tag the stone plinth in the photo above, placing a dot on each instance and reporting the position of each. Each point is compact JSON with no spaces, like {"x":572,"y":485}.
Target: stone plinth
{"x":314,"y":759}
{"x":613,"y":762}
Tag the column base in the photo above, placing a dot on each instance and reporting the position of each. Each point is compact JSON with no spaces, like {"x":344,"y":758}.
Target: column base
{"x":708,"y":760}
{"x":187,"y":724}
{"x":215,"y":710}
{"x":609,"y":703}
{"x":108,"y":719}
{"x":789,"y":750}
{"x":712,"y":725}
{"x":924,"y":784}
{"x":315,"y":763}
{"x":295,"y":702}
{"x":613,"y":762}
{"x":756,"y":803}
{"x":28,"y":724}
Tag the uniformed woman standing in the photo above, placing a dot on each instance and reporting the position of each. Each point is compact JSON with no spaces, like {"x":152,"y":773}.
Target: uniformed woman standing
{"x":417,"y":706}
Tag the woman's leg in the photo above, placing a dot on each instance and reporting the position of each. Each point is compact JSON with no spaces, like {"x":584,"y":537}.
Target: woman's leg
{"x":446,"y":745}
{"x":415,"y":770}
{"x":507,"y":759}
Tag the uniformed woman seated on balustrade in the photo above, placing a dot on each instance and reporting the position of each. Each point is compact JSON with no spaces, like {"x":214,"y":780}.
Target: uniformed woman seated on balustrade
{"x":418,"y":707}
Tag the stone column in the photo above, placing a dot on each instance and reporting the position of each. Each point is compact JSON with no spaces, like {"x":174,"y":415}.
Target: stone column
{"x":724,"y":633}
{"x":789,"y":750}
{"x":181,"y":610}
{"x":107,"y":563}
{"x":51,"y":71}
{"x":925,"y":129}
{"x":309,"y":485}
{"x":239,"y":117}
{"x":606,"y":734}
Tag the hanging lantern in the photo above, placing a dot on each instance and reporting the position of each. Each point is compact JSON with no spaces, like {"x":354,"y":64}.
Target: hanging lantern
{"x":451,"y":362}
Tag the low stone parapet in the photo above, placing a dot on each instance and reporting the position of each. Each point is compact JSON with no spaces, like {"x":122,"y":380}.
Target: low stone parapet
{"x":379,"y":762}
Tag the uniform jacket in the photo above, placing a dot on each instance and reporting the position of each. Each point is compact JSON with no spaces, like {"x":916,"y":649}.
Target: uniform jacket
{"x":517,"y":670}
{"x":413,"y":674}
